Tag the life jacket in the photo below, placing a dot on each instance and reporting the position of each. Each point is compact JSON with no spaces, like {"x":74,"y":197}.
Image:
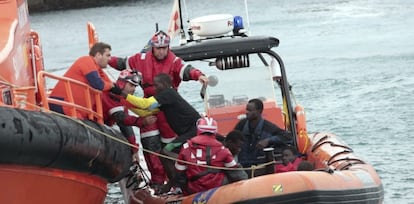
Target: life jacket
{"x":205,"y":150}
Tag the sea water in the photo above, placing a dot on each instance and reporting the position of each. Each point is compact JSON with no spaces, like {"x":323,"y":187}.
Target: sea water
{"x":351,"y":65}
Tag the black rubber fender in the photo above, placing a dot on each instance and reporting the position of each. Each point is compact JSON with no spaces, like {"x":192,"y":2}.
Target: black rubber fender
{"x":44,"y":139}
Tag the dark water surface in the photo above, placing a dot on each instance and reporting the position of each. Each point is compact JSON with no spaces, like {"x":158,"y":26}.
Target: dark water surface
{"x":351,"y":64}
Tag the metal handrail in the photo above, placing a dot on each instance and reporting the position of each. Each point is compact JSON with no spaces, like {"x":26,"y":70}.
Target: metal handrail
{"x":88,"y":92}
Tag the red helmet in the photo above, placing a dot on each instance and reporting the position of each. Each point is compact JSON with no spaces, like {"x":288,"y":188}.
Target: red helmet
{"x":130,"y":76}
{"x":206,"y":124}
{"x":160,"y":39}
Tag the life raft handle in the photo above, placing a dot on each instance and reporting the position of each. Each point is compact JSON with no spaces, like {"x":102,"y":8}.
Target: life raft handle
{"x":348,"y":162}
{"x":326,"y":170}
{"x":348,"y":149}
{"x":319,"y":143}
{"x":331,"y":160}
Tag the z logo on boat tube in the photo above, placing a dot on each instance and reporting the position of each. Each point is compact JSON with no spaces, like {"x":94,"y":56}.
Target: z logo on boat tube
{"x":278,"y":188}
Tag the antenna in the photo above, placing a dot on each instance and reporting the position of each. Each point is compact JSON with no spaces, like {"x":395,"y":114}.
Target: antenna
{"x":183,"y":38}
{"x":189,"y":31}
{"x":181,"y":18}
{"x":247,"y":16}
{"x":156,"y":27}
{"x":186,"y":11}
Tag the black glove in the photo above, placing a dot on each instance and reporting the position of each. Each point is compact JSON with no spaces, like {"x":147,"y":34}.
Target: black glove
{"x":116,"y":90}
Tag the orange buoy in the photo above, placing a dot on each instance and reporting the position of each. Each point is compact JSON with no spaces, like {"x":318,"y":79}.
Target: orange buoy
{"x":302,"y":138}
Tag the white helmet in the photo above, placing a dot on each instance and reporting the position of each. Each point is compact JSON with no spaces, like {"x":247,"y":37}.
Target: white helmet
{"x":130,"y":76}
{"x":206,"y":124}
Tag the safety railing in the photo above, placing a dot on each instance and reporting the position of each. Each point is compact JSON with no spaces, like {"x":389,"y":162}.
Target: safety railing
{"x":93,"y":111}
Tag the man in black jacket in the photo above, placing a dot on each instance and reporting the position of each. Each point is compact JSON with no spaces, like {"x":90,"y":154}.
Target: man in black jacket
{"x":259,"y":133}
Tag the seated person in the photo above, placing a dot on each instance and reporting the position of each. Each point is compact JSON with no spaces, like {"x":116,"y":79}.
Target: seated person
{"x":305,"y":166}
{"x":206,"y":150}
{"x":233,"y":141}
{"x":290,"y":160}
{"x":258,"y":133}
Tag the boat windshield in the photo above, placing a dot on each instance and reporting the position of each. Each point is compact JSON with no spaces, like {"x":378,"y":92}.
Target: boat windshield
{"x":226,"y":101}
{"x":237,"y":86}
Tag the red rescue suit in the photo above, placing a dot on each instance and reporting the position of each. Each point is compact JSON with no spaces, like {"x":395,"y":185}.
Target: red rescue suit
{"x":149,"y":67}
{"x":291,"y":166}
{"x":205,"y":150}
{"x":115,"y":109}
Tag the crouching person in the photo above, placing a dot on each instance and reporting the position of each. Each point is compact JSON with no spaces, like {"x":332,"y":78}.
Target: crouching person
{"x":204,"y":149}
{"x":115,"y":107}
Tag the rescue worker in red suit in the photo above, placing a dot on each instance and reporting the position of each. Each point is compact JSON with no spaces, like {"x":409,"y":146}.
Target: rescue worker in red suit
{"x":159,"y":59}
{"x":206,"y":150}
{"x":115,"y":108}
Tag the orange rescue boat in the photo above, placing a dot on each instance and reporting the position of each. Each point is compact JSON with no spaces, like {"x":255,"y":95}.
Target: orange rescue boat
{"x":247,"y":67}
{"x":46,"y":157}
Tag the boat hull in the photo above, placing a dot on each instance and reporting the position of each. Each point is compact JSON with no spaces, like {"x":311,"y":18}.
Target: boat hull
{"x":296,"y":187}
{"x":20,"y":184}
{"x":339,"y":177}
{"x":32,"y":138}
{"x":48,"y":158}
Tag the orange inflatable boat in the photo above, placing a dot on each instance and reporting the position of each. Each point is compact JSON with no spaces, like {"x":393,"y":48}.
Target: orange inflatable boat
{"x":247,"y":67}
{"x":340,"y":176}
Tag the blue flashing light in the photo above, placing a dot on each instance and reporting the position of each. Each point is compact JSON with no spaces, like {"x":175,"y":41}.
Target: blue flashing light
{"x":238,"y":23}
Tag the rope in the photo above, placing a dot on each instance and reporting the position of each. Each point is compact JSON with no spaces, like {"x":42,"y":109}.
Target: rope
{"x":252,"y":168}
